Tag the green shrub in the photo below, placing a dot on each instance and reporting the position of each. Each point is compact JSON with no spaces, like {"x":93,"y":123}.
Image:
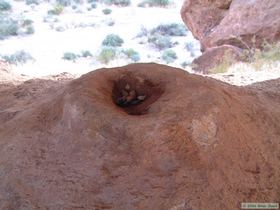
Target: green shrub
{"x":269,"y":53}
{"x":27,"y":22}
{"x":86,"y":53}
{"x":189,"y":46}
{"x":154,"y":3}
{"x":77,"y":1}
{"x":122,"y":3}
{"x":132,"y":54}
{"x":220,"y":68}
{"x":112,"y":40}
{"x":30,"y":30}
{"x":107,"y":11}
{"x":29,"y":2}
{"x":57,"y":10}
{"x":160,"y":42}
{"x":92,"y":1}
{"x":185,"y":64}
{"x":169,"y":56}
{"x":64,"y":3}
{"x":69,"y":56}
{"x":59,"y":28}
{"x":107,"y":54}
{"x":14,"y":27}
{"x":8,"y":27}
{"x":110,"y":22}
{"x":5,"y":5}
{"x":143,"y":32}
{"x":225,"y":62}
{"x":93,"y":5}
{"x":19,"y":57}
{"x":142,"y":4}
{"x":172,"y":29}
{"x":74,"y":7}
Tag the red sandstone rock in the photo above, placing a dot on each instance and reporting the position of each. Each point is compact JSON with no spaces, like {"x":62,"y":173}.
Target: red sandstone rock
{"x":219,"y":22}
{"x":215,"y":56}
{"x":193,"y":143}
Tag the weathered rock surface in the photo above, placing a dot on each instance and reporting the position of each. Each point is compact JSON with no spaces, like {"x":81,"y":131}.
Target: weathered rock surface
{"x":219,"y":22}
{"x":215,"y":56}
{"x":193,"y":143}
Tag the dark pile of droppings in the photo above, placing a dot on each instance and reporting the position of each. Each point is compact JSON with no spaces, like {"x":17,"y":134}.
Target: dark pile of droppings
{"x":129,"y":97}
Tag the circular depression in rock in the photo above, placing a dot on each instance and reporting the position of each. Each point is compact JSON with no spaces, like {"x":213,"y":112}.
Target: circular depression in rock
{"x":135,"y":94}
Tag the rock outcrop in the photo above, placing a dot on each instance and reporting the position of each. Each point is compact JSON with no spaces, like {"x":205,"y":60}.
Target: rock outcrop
{"x":216,"y":56}
{"x":239,"y":23}
{"x":191,"y":143}
{"x":218,"y":22}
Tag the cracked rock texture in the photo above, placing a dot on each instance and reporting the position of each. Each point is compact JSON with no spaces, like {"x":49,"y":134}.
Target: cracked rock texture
{"x":194,"y":143}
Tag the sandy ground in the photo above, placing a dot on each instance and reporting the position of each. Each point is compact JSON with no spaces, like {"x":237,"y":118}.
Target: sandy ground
{"x":242,"y":74}
{"x":85,"y":30}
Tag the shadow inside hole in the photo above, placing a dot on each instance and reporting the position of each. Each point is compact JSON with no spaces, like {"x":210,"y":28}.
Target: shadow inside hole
{"x":135,"y":94}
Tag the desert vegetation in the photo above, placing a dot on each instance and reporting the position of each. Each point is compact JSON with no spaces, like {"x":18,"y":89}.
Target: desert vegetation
{"x":255,"y":57}
{"x":155,"y":3}
{"x":171,"y":29}
{"x":32,"y":2}
{"x":160,"y":42}
{"x":161,"y":36}
{"x":107,"y":11}
{"x":269,"y":54}
{"x":86,"y":54}
{"x":57,"y":10}
{"x":102,"y":39}
{"x":5,"y":5}
{"x":10,"y":26}
{"x":123,"y":3}
{"x":169,"y":56}
{"x":72,"y":56}
{"x":18,"y":57}
{"x":132,"y":54}
{"x":113,"y":40}
{"x":107,"y":54}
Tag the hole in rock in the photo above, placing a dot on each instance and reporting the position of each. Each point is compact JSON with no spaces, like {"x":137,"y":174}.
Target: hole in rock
{"x":135,"y":94}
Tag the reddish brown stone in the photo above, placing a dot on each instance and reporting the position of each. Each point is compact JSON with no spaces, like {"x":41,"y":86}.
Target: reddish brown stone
{"x":221,"y":22}
{"x":215,"y":56}
{"x":193,"y":143}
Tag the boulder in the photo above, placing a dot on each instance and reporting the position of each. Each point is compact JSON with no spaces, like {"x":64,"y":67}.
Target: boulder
{"x":234,"y":22}
{"x":190,"y":143}
{"x":215,"y":56}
